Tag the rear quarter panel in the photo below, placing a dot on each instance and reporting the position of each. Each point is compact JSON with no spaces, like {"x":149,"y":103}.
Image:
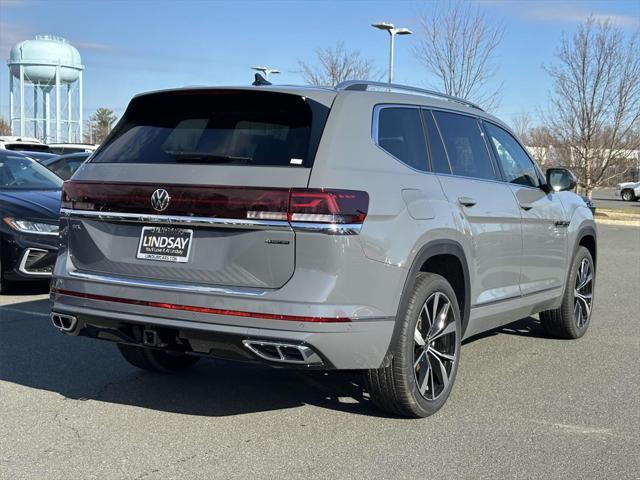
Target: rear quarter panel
{"x":407,"y":208}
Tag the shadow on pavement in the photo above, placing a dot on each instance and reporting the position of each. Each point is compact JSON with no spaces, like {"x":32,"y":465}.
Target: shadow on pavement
{"x":24,"y":289}
{"x":526,"y":327}
{"x":35,"y":355}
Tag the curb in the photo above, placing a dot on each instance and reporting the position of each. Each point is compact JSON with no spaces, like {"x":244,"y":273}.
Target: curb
{"x":624,"y":223}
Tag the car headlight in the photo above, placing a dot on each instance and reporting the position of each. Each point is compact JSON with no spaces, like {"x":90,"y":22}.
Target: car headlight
{"x":27,"y":226}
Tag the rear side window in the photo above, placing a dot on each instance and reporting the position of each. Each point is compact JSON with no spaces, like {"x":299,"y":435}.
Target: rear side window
{"x":516,"y":164}
{"x":66,"y":167}
{"x":237,"y":127}
{"x":465,"y":145}
{"x":400,"y":134}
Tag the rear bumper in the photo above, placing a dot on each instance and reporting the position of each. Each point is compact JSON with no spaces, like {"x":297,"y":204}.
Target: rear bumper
{"x":358,"y":344}
{"x":337,"y":301}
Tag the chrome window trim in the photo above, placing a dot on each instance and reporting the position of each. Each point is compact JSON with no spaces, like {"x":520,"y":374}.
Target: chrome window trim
{"x":426,"y":108}
{"x":185,"y":287}
{"x":326,"y":228}
{"x":22,"y":267}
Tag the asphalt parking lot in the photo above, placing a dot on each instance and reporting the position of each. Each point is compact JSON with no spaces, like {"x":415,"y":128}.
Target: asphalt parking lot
{"x":524,"y":405}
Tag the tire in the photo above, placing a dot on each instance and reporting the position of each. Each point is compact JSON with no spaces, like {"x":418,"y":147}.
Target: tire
{"x":155,"y":360}
{"x":628,"y":195}
{"x":571,"y":320}
{"x":419,"y":378}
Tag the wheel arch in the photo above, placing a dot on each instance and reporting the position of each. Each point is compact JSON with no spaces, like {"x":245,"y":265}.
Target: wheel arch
{"x":439,"y":255}
{"x":587,"y":238}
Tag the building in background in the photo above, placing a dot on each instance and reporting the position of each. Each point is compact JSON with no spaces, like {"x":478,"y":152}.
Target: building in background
{"x":45,"y":90}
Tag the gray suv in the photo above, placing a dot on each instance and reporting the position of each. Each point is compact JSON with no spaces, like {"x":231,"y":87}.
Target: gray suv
{"x":366,"y":227}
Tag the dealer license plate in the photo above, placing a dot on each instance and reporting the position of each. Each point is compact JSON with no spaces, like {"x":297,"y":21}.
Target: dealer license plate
{"x":166,"y":244}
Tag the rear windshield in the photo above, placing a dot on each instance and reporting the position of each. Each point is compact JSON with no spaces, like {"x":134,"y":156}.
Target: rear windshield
{"x":236,"y":127}
{"x":30,"y":147}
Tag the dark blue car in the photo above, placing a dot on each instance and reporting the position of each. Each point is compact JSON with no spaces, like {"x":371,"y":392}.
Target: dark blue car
{"x":29,"y":212}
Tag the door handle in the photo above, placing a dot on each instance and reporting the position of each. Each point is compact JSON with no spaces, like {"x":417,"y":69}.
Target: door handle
{"x":526,"y":206}
{"x":466,"y":201}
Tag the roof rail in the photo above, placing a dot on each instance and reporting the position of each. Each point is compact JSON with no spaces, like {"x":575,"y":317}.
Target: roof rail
{"x":362,"y":85}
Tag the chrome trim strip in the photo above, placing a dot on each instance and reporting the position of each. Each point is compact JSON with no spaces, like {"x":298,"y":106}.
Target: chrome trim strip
{"x":183,"y":287}
{"x":326,"y":228}
{"x":515,"y":297}
{"x":175,"y":219}
{"x":22,"y":268}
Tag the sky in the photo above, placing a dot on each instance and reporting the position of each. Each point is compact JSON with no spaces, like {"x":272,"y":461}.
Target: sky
{"x":128,"y":47}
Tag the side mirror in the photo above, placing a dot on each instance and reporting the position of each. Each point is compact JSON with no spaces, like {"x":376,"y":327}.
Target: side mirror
{"x":560,"y":179}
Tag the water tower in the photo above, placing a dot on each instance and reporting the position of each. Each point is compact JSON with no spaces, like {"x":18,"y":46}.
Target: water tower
{"x":43,"y":72}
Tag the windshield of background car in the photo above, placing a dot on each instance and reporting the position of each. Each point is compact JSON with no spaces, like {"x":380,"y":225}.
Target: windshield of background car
{"x":20,"y":173}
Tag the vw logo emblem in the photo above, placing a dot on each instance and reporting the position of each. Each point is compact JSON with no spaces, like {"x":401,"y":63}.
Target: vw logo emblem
{"x":160,"y":200}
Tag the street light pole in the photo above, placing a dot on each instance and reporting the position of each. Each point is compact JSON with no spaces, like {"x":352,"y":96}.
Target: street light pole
{"x":393,"y":31}
{"x":391,"y":41}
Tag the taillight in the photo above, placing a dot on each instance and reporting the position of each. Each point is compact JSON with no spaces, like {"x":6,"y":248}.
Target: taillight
{"x":328,"y":206}
{"x":299,"y":205}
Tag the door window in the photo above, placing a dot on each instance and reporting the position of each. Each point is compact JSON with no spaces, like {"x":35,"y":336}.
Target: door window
{"x":516,"y":164}
{"x":463,"y":139}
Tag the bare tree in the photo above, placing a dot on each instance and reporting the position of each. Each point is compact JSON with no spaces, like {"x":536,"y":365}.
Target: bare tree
{"x":522,"y":125}
{"x":458,"y":46}
{"x":336,"y":64}
{"x":5,"y":129}
{"x":540,"y":145}
{"x":595,"y":105}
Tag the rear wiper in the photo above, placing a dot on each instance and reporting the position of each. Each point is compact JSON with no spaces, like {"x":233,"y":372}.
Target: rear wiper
{"x":207,"y":157}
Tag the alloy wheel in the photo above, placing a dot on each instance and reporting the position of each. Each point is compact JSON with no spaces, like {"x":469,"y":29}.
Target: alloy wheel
{"x":583,"y":293}
{"x":435,"y":346}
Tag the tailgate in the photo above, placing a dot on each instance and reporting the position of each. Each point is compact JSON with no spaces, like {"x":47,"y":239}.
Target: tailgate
{"x":193,"y":187}
{"x":212,"y":235}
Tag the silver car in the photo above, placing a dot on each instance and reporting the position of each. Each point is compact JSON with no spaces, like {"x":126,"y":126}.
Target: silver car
{"x":628,"y":191}
{"x":364,"y":227}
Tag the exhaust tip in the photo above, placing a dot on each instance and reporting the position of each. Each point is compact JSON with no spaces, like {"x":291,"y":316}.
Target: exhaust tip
{"x":63,"y":322}
{"x":283,"y":352}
